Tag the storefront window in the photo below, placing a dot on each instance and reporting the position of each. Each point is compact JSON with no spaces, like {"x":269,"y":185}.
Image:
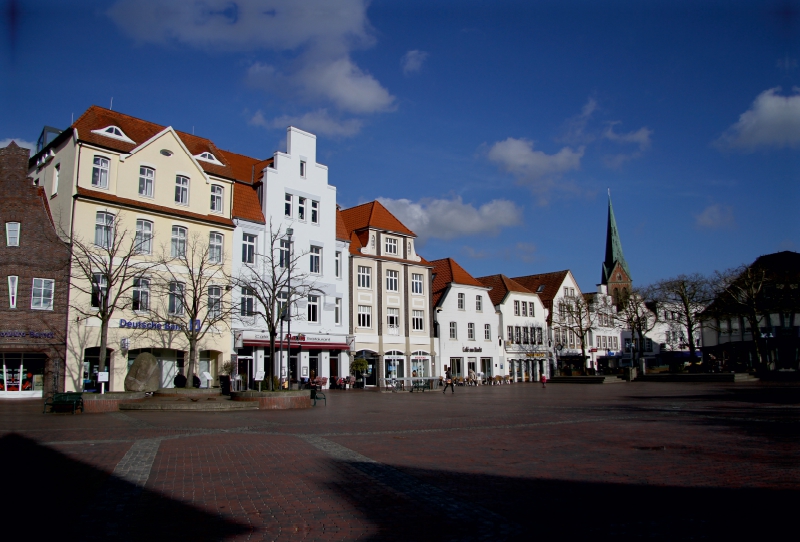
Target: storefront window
{"x":22,"y":372}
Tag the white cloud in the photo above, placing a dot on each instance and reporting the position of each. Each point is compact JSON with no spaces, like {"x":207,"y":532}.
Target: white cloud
{"x":772,"y":121}
{"x":320,"y":32}
{"x":715,"y":217}
{"x":318,"y":122}
{"x":640,"y":137}
{"x":20,"y":142}
{"x":450,"y":218}
{"x":412,"y":61}
{"x":575,"y":127}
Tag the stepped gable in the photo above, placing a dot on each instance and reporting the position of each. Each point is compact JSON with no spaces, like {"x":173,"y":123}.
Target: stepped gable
{"x":447,"y":271}
{"x":500,"y":286}
{"x":549,"y":283}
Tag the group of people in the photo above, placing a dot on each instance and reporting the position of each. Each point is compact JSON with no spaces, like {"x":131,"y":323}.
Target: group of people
{"x":448,"y":379}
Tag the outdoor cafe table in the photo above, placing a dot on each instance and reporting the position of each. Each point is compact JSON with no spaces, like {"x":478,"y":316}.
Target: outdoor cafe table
{"x":407,"y":381}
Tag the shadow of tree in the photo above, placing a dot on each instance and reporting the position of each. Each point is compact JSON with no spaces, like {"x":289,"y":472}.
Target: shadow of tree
{"x":49,"y":495}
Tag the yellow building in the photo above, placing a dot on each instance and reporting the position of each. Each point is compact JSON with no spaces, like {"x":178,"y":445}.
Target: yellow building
{"x":163,"y":188}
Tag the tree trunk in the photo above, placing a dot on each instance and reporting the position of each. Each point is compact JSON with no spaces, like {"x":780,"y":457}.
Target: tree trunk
{"x":271,"y":371}
{"x":190,"y":366}
{"x":103,"y":347}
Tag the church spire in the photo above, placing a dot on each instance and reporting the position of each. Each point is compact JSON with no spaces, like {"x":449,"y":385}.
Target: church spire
{"x":613,"y":247}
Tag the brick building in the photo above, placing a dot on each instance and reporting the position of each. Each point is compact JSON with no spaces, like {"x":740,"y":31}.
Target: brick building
{"x":34,"y":266}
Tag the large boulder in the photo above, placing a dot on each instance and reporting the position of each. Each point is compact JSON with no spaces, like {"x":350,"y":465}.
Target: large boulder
{"x":143,"y":374}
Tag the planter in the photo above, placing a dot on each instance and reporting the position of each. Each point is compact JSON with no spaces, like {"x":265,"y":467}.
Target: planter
{"x":275,"y":400}
{"x":109,"y":402}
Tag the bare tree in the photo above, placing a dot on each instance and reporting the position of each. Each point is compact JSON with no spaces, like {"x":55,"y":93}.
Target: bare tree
{"x":274,"y":281}
{"x":107,"y":268}
{"x":635,"y":314}
{"x":194,"y":292}
{"x":574,"y":315}
{"x":686,"y":296}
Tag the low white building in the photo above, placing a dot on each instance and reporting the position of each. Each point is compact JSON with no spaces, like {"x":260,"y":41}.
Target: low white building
{"x":605,"y":337}
{"x":468,"y":327}
{"x":525,"y":352}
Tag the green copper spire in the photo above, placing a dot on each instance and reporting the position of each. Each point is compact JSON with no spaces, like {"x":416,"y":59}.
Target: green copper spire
{"x":613,"y":246}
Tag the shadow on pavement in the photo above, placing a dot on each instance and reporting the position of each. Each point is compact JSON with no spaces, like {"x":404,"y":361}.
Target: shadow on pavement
{"x":48,"y":495}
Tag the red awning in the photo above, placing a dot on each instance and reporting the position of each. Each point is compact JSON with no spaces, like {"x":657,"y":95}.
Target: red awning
{"x":305,"y":344}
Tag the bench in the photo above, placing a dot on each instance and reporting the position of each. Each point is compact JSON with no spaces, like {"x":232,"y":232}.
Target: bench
{"x":419,"y":385}
{"x":317,"y":393}
{"x":73,"y":399}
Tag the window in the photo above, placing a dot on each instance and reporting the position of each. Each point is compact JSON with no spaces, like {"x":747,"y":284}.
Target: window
{"x":471,"y":331}
{"x":181,"y":190}
{"x":603,"y":342}
{"x":207,"y":156}
{"x":283,"y":254}
{"x":364,"y":277}
{"x":248,"y":248}
{"x":417,"y":320}
{"x":302,"y":168}
{"x":313,"y":308}
{"x":516,"y":308}
{"x":99,"y":289}
{"x":301,"y":208}
{"x":12,"y":291}
{"x":539,"y":338}
{"x":453,"y":330}
{"x":287,"y":205}
{"x":487,"y":332}
{"x":364,"y":316}
{"x":517,"y":334}
{"x":338,"y":268}
{"x":144,"y":236}
{"x":147,"y":177}
{"x":56,"y":179}
{"x":648,"y":345}
{"x":393,"y":321}
{"x":510,"y":333}
{"x":12,"y":234}
{"x":216,"y":198}
{"x":392,"y":280}
{"x":337,"y":311}
{"x":526,"y":335}
{"x":100,"y":172}
{"x":479,"y":303}
{"x":461,"y":300}
{"x":525,"y":308}
{"x":315,"y":260}
{"x":141,"y":294}
{"x":314,"y":212}
{"x":176,"y":298}
{"x":42,"y":295}
{"x":215,"y":247}
{"x":247,"y":303}
{"x":178,"y":245}
{"x":103,"y":229}
{"x":416,"y":283}
{"x":530,"y":309}
{"x":282,"y":302}
{"x":391,"y":246}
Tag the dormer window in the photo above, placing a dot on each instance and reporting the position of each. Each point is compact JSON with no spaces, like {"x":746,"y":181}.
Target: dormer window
{"x":540,"y":289}
{"x":114,"y":132}
{"x":208,"y":157}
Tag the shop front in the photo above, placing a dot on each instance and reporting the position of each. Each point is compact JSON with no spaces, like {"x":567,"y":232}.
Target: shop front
{"x":30,"y":364}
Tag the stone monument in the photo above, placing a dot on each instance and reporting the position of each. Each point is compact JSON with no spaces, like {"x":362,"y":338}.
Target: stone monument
{"x":143,"y":374}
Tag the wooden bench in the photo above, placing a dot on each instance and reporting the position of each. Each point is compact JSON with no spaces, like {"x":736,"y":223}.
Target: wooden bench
{"x":73,"y":399}
{"x":419,"y":385}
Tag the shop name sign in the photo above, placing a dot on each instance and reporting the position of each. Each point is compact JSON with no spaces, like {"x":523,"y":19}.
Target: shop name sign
{"x":472,"y":349}
{"x":17,"y":334}
{"x":160,"y":326}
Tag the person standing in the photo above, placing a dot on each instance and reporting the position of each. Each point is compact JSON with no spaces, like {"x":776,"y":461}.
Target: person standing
{"x":544,"y":380}
{"x":448,"y":380}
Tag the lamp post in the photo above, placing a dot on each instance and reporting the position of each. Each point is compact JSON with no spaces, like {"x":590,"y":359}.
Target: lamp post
{"x":288,"y":312}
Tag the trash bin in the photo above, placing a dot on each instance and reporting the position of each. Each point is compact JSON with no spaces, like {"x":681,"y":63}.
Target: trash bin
{"x":225,"y":384}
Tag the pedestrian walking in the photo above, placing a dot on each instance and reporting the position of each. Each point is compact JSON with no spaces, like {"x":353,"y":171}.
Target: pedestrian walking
{"x":544,"y":380}
{"x":448,"y":381}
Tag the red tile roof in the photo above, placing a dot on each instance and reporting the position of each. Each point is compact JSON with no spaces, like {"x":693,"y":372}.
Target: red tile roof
{"x":341,"y":229}
{"x":373,"y":215}
{"x":245,"y":203}
{"x":447,"y":271}
{"x":500,"y":286}
{"x":552,"y":284}
{"x":85,"y":193}
{"x":234,"y":166}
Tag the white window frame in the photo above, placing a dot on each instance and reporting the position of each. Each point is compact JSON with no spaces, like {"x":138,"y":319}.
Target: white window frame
{"x":56,"y":179}
{"x":181,"y":190}
{"x":516,"y":307}
{"x":312,"y":309}
{"x":301,"y":208}
{"x":315,"y":260}
{"x":144,"y":236}
{"x":303,"y":168}
{"x":417,"y":320}
{"x":214,"y":308}
{"x":178,"y":241}
{"x":417,"y":284}
{"x":284,"y":253}
{"x":40,"y":302}
{"x":215,"y":245}
{"x":392,"y":280}
{"x":249,"y":241}
{"x":470,"y":331}
{"x":101,"y":167}
{"x":393,"y":320}
{"x":106,"y":228}
{"x":479,"y":303}
{"x":364,"y":316}
{"x":364,"y":277}
{"x":454,"y":330}
{"x":531,"y":312}
{"x":99,"y":289}
{"x":147,"y":182}
{"x":390,"y":246}
{"x":338,"y":265}
{"x":288,"y":203}
{"x":462,"y":299}
{"x":247,"y":302}
{"x":337,"y":311}
{"x":141,"y":286}
{"x":13,"y":284}
{"x":175,"y":305}
{"x":487,"y":332}
{"x":12,"y":239}
{"x":217,"y":198}
{"x":314,"y":212}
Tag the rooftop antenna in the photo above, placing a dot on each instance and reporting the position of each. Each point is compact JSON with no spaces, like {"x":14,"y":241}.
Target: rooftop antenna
{"x":73,"y":119}
{"x":609,"y":192}
{"x":112,"y":104}
{"x":192,"y":130}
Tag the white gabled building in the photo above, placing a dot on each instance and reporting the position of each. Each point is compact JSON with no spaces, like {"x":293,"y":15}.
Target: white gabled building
{"x":467,"y":323}
{"x":292,"y":192}
{"x":605,"y":337}
{"x":525,"y":353}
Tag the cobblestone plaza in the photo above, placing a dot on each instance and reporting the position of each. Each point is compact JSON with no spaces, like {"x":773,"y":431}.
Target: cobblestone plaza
{"x":517,"y":462}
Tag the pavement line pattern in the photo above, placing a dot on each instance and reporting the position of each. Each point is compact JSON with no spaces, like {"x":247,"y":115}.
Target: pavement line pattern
{"x":488,"y":525}
{"x":131,"y":420}
{"x":135,"y":466}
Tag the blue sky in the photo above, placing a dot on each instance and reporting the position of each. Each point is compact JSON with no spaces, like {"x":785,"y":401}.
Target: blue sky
{"x":493,"y":129}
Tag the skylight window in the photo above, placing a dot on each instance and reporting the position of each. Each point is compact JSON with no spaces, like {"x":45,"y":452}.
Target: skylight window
{"x":208,"y":157}
{"x":540,"y":288}
{"x":114,"y":132}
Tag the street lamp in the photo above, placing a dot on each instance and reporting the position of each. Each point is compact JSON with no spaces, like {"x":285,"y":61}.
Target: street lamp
{"x":287,"y":313}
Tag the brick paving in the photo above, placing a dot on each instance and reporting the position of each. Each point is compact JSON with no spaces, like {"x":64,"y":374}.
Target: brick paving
{"x":642,"y":460}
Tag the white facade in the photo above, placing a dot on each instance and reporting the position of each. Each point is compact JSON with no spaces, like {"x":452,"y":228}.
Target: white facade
{"x":604,"y":342}
{"x":525,"y":353}
{"x":296,"y":195}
